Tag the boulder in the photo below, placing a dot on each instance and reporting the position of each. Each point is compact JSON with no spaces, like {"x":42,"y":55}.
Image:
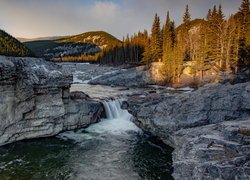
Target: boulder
{"x":133,"y":77}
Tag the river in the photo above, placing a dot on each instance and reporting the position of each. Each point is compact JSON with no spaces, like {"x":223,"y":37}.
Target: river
{"x":113,"y":149}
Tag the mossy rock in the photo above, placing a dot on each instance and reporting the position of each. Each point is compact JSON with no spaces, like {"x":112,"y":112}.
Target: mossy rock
{"x":245,"y":132}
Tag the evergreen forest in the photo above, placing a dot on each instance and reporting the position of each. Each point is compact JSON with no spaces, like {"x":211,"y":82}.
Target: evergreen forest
{"x":217,"y":42}
{"x":9,"y":46}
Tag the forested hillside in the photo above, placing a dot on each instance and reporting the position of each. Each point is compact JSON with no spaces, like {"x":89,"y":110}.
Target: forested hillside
{"x":99,"y":38}
{"x":129,"y":52}
{"x":204,"y":46}
{"x":82,"y":47}
{"x":9,"y":46}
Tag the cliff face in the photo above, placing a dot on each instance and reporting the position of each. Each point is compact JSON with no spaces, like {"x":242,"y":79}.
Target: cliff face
{"x":35,"y":100}
{"x":209,"y":129}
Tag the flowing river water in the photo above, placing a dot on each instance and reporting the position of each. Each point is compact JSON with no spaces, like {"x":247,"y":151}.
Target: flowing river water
{"x":113,"y":149}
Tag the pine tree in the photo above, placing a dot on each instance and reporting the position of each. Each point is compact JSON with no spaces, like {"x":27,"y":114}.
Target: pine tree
{"x":244,"y":12}
{"x":165,"y":31}
{"x":187,"y":18}
{"x":209,"y":14}
{"x":186,"y":21}
{"x":220,"y":14}
{"x":221,"y":31}
{"x":147,"y":54}
{"x":231,"y":45}
{"x":156,"y":43}
{"x":244,"y":42}
{"x":216,"y":38}
{"x":169,"y":60}
{"x":203,"y":64}
{"x":168,"y":47}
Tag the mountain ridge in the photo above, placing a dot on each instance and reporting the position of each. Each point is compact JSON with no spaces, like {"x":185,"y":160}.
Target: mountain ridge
{"x":76,"y":46}
{"x":94,"y":37}
{"x":21,"y":39}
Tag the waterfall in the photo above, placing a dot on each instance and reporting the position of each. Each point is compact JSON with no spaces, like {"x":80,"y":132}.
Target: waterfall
{"x":117,"y":122}
{"x":113,"y":109}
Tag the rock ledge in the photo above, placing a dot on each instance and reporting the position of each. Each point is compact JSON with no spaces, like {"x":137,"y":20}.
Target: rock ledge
{"x":209,"y":129}
{"x":35,"y":100}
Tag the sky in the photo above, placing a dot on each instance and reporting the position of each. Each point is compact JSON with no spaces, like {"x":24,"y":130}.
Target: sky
{"x":41,"y":18}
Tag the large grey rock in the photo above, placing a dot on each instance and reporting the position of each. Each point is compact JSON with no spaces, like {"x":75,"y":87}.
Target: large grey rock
{"x":209,"y":129}
{"x":133,"y":77}
{"x":213,"y":151}
{"x":35,"y":100}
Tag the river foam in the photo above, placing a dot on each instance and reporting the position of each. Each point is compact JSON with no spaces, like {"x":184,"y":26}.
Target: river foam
{"x":117,"y":122}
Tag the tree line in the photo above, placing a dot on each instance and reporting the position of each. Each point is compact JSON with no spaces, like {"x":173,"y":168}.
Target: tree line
{"x":217,"y":42}
{"x":128,"y":52}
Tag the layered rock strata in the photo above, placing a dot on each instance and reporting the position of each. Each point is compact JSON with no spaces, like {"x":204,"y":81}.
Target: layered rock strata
{"x":35,"y":100}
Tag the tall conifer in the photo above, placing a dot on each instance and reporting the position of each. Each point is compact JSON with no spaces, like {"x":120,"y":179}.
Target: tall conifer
{"x":244,"y":43}
{"x":156,"y":43}
{"x":186,"y":21}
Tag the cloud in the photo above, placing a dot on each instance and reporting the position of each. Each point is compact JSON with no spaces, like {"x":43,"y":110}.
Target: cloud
{"x":106,"y":10}
{"x":34,"y":18}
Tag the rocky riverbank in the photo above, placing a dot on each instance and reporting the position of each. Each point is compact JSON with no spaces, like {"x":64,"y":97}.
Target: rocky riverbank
{"x":209,"y":129}
{"x":35,"y":100}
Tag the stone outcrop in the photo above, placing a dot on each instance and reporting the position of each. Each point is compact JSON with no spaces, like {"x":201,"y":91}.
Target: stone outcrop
{"x":133,"y":77}
{"x":209,"y":129}
{"x":35,"y":100}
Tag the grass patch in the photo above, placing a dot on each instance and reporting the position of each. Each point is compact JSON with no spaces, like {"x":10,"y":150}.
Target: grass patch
{"x":245,"y":132}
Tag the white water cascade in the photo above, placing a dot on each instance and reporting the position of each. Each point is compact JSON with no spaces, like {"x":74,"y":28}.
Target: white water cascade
{"x":113,"y":110}
{"x":117,"y":122}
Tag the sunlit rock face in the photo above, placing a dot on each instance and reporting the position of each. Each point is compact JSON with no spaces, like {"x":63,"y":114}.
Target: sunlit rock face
{"x":187,"y":75}
{"x":35,"y":100}
{"x":209,"y":129}
{"x":156,"y":72}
